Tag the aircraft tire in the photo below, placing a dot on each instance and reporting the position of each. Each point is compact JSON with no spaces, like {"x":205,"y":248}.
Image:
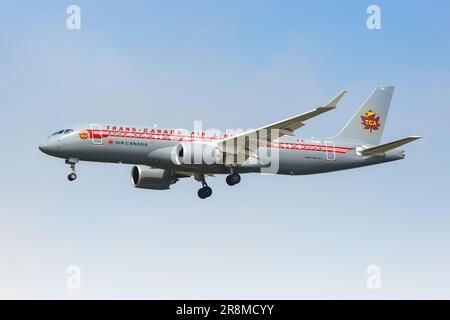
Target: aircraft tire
{"x":233,"y":179}
{"x":204,"y":192}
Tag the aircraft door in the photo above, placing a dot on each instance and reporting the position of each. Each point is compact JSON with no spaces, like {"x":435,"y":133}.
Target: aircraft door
{"x":97,"y":134}
{"x":330,"y":151}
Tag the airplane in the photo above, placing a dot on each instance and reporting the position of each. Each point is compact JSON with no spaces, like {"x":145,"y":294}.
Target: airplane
{"x":160,"y":157}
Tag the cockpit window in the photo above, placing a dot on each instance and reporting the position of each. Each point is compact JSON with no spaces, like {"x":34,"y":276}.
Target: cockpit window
{"x":65,"y":131}
{"x":58,"y":132}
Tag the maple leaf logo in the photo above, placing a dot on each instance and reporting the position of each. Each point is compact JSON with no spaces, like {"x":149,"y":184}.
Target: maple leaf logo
{"x":370,"y":121}
{"x":84,"y":135}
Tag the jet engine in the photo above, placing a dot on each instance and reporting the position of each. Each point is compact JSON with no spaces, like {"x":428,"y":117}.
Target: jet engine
{"x":196,"y":154}
{"x":166,"y":156}
{"x":152,"y":178}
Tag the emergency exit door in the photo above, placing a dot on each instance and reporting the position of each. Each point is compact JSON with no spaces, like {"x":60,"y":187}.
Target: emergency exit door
{"x":96,"y":134}
{"x":330,"y":151}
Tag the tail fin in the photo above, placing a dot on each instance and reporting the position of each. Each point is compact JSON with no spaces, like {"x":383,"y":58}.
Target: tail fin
{"x":367,"y":124}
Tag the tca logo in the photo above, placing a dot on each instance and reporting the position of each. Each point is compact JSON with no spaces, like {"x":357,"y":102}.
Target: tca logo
{"x":370,"y":121}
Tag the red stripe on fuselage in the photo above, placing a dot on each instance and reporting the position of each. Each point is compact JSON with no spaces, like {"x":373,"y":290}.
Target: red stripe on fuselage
{"x":97,"y":134}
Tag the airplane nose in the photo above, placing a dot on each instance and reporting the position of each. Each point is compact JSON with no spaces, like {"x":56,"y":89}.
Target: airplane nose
{"x":49,"y":148}
{"x":44,"y":147}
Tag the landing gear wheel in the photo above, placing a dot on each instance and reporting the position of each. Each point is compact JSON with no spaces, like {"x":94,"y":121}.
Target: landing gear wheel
{"x":72,"y":162}
{"x":208,"y":191}
{"x":233,"y":179}
{"x":204,"y":192}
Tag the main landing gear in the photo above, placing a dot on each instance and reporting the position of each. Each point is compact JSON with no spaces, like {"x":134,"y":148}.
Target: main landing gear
{"x":233,"y":179}
{"x":72,"y":162}
{"x":205,"y":191}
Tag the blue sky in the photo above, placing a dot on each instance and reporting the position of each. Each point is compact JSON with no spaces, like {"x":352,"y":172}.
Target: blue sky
{"x":231,"y":64}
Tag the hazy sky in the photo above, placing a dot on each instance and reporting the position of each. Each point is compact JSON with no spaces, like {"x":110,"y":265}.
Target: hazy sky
{"x":231,"y":64}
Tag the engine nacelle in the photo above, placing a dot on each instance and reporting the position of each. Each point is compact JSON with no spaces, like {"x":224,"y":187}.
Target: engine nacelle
{"x":151,"y":178}
{"x":166,"y":156}
{"x":196,"y":154}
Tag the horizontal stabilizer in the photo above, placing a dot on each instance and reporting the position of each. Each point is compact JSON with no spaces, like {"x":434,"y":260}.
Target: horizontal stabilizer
{"x":382,"y":148}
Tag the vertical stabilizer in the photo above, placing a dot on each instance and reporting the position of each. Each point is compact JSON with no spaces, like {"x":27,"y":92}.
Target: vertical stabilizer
{"x":367,"y":124}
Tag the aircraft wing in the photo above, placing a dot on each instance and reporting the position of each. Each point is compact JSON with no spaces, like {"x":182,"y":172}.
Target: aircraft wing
{"x":382,"y":148}
{"x":249,"y":141}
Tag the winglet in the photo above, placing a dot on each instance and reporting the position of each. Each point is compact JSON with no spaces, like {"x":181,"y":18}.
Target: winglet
{"x":333,"y":103}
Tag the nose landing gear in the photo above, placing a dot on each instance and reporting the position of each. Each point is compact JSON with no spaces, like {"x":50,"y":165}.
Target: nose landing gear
{"x":72,"y":162}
